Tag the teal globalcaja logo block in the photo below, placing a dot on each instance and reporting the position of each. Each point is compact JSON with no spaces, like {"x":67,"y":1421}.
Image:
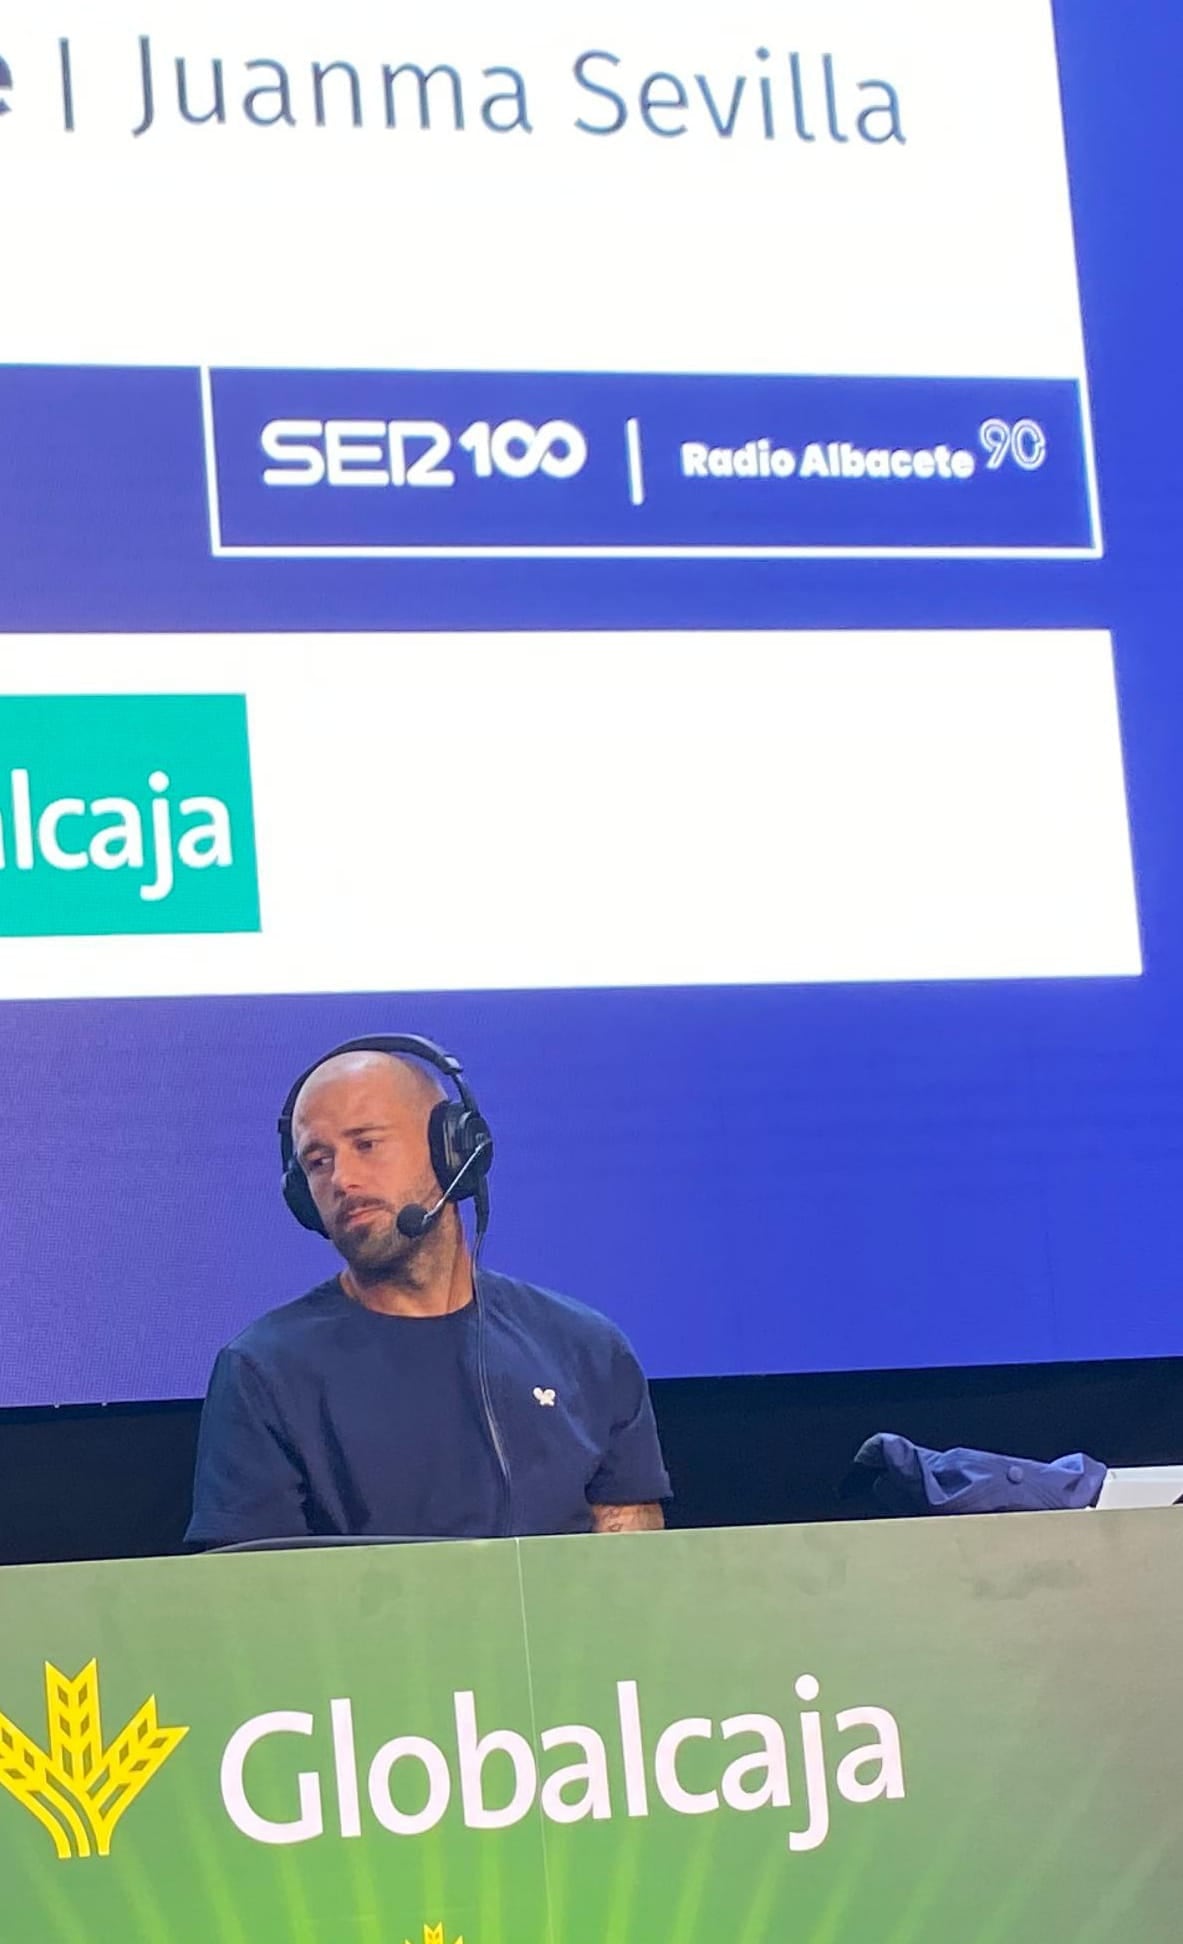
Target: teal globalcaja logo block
{"x":125,"y":813}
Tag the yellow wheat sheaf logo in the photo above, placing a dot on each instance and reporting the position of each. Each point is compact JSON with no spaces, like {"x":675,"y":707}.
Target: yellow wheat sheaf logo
{"x":79,"y":1790}
{"x":434,"y":1934}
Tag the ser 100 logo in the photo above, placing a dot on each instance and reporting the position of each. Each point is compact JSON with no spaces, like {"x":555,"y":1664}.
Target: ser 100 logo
{"x":412,"y":452}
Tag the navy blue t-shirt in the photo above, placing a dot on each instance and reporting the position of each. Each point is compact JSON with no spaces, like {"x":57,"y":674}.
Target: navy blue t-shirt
{"x":327,"y":1417}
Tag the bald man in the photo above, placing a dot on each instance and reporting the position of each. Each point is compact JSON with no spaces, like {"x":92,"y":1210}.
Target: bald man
{"x":358,"y":1408}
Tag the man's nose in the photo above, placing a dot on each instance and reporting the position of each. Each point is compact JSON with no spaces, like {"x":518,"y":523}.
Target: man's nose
{"x":346,"y":1176}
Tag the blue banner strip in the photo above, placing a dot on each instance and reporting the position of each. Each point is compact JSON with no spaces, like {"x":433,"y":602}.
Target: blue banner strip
{"x":314,"y":461}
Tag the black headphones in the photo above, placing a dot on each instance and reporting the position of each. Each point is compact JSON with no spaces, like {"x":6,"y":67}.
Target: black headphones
{"x":457,"y":1132}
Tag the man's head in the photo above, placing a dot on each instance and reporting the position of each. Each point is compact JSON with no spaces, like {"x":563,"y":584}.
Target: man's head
{"x":360,"y":1133}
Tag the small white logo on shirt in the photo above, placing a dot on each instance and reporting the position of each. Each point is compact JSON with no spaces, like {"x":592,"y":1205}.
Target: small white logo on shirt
{"x":544,"y":1396}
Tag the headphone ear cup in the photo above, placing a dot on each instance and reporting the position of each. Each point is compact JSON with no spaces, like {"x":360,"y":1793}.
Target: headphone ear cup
{"x":298,"y":1196}
{"x":454,"y":1132}
{"x":443,"y":1132}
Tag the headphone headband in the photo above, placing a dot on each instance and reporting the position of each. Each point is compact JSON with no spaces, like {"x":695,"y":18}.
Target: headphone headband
{"x":414,"y":1045}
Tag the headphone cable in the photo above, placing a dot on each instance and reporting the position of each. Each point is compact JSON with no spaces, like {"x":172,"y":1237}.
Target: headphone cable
{"x":491,"y":1423}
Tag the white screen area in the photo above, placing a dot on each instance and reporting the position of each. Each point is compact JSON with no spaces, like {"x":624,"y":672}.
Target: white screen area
{"x":772,"y":234}
{"x":627,"y":809}
{"x":711,"y":210}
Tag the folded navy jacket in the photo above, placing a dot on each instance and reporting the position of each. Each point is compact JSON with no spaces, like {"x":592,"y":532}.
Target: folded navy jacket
{"x":909,"y":1479}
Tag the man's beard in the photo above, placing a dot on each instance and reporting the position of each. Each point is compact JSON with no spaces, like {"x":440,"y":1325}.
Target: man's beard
{"x":373,"y":1248}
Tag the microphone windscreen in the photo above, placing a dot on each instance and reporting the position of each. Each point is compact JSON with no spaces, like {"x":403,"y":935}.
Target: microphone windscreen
{"x":412,"y":1220}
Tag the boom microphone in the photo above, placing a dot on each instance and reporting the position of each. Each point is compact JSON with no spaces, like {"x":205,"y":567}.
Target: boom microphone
{"x":414,"y":1220}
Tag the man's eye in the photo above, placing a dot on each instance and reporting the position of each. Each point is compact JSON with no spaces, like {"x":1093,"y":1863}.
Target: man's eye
{"x":317,"y":1165}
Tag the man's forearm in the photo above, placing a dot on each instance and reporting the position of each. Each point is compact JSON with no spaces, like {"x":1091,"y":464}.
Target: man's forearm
{"x":627,"y":1518}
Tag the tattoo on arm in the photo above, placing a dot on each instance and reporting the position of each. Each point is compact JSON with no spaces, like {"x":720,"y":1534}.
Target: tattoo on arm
{"x":627,"y":1518}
